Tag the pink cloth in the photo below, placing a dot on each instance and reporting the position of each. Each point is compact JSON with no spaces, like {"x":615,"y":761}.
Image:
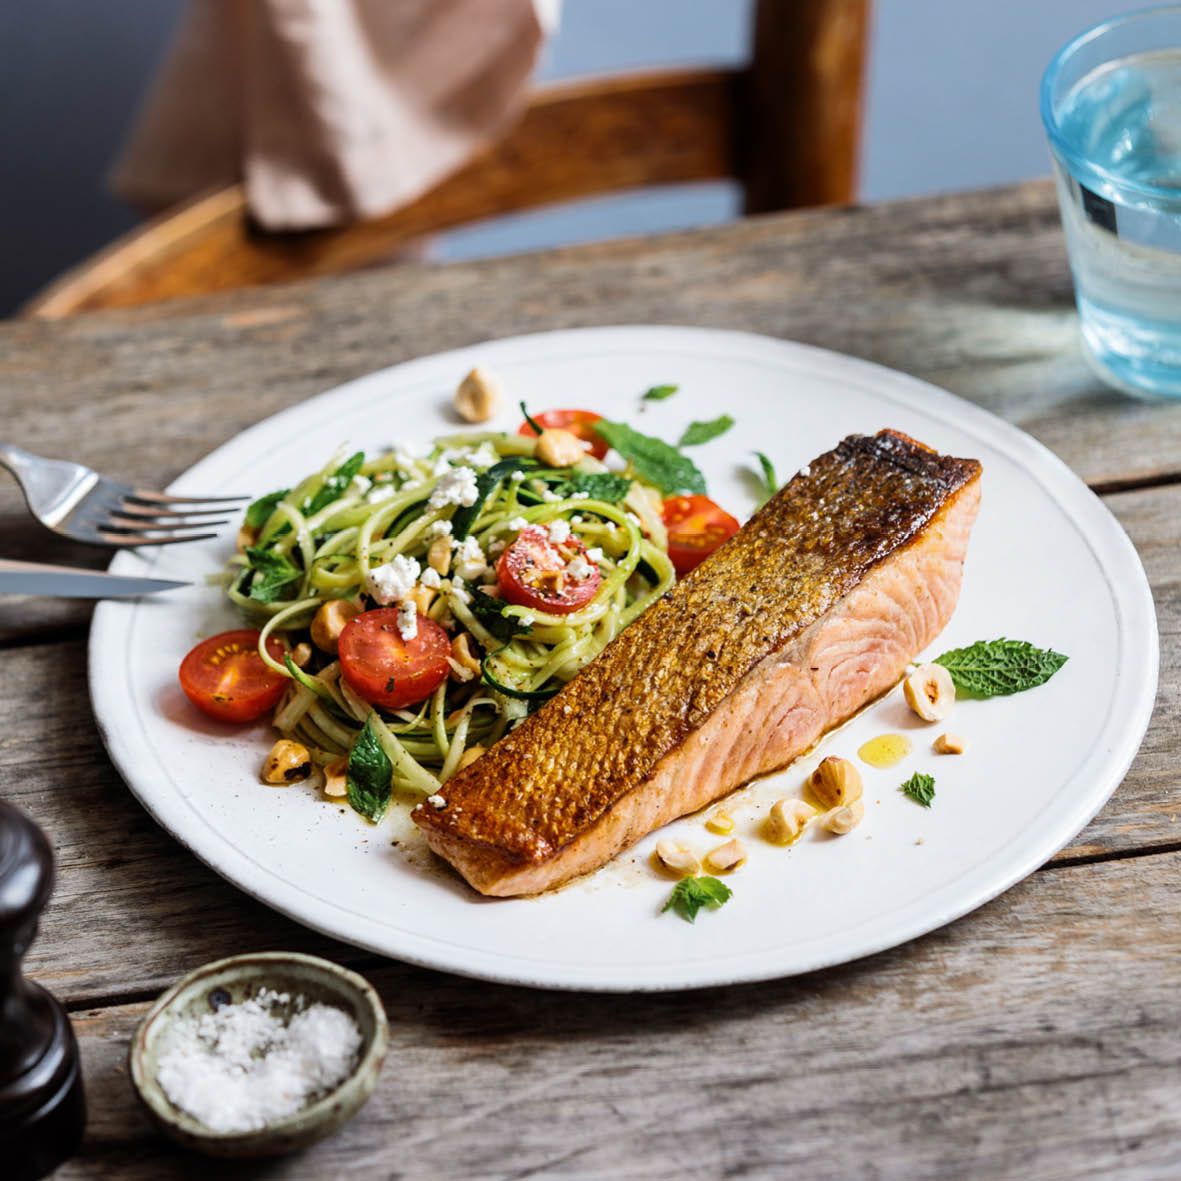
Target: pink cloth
{"x":329,"y":110}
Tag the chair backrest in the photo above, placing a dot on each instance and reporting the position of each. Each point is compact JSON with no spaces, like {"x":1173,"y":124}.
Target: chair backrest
{"x":787,"y":127}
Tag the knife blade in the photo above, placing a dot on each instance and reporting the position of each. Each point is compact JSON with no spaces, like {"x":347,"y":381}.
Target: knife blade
{"x":66,"y":582}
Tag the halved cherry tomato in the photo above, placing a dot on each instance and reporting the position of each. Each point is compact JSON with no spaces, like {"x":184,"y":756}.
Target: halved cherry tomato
{"x":226,"y":678}
{"x":534,"y":572}
{"x":578,"y":422}
{"x":387,"y":670}
{"x":696,"y":527}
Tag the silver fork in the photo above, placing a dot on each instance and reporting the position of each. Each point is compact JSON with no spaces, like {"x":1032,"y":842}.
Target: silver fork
{"x":76,"y":502}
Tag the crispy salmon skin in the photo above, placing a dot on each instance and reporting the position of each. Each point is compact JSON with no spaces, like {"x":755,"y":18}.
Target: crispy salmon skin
{"x":813,"y":609}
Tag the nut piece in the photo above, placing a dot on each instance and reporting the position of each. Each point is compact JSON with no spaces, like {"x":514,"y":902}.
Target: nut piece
{"x":930,"y":692}
{"x":438,"y":557}
{"x":336,"y":778}
{"x":720,"y":822}
{"x":246,"y":538}
{"x":558,"y":448}
{"x":301,"y":654}
{"x":288,"y":762}
{"x":469,"y":756}
{"x":787,"y":820}
{"x":329,"y":622}
{"x":835,"y":782}
{"x":462,"y":654}
{"x":949,"y":744}
{"x":726,"y":858}
{"x":843,"y":820}
{"x":676,"y":858}
{"x":422,"y":597}
{"x":477,"y":397}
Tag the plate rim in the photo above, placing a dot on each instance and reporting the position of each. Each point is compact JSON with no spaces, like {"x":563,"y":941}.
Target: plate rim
{"x":1136,"y":629}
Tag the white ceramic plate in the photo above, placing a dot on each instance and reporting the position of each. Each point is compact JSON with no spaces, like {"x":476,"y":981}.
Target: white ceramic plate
{"x":1047,"y":563}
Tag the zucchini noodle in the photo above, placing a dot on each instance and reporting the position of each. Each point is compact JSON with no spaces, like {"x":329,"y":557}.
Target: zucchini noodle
{"x":424,"y":534}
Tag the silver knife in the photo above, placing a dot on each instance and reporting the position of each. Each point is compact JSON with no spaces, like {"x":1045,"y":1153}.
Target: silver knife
{"x":66,"y":582}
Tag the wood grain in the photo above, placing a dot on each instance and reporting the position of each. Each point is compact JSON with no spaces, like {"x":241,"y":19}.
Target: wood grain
{"x":971,"y":292}
{"x":630,"y":132}
{"x":113,"y":859}
{"x":1039,"y":1037}
{"x":983,"y":1050}
{"x":804,"y":91}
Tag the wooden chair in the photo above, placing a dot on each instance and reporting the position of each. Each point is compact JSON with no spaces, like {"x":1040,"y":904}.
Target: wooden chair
{"x":787,"y":127}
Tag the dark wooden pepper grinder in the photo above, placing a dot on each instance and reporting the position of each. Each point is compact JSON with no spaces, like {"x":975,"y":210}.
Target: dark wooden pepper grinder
{"x":42,"y":1108}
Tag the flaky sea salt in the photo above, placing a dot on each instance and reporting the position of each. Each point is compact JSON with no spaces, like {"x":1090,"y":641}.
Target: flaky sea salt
{"x":243,"y":1066}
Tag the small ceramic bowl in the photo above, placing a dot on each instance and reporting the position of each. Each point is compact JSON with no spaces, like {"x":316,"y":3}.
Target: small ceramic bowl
{"x":236,"y":979}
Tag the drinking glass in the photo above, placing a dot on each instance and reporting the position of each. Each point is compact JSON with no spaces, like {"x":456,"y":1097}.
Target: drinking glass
{"x":1111,"y":105}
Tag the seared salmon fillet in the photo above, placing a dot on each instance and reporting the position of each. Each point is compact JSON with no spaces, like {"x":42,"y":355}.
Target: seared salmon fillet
{"x":814,"y":608}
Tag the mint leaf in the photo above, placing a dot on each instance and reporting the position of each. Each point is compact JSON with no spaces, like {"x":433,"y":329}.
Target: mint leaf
{"x":370,"y":775}
{"x":920,"y":788}
{"x":271,"y":574}
{"x":996,"y":668}
{"x":659,"y":392}
{"x":490,"y":612}
{"x":697,"y":433}
{"x":258,"y":513}
{"x":770,"y":480}
{"x":335,"y":484}
{"x":606,"y":486}
{"x":656,"y":462}
{"x":691,"y":894}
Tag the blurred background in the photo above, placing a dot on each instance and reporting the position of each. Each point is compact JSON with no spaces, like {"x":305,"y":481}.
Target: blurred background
{"x":951,"y":104}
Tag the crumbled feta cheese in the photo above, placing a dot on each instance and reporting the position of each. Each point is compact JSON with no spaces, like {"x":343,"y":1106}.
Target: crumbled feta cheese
{"x":380,"y":493}
{"x":549,"y":496}
{"x":576,"y":519}
{"x":459,"y":592}
{"x":517,"y":477}
{"x":483,"y":456}
{"x":609,"y":526}
{"x":439,"y":529}
{"x":559,"y":531}
{"x":470,"y":562}
{"x":394,"y":580}
{"x":594,"y":554}
{"x":437,"y":802}
{"x":407,"y":620}
{"x":579,"y":568}
{"x":580,"y":496}
{"x":455,"y":486}
{"x":518,"y":523}
{"x":358,"y":486}
{"x":431,"y":578}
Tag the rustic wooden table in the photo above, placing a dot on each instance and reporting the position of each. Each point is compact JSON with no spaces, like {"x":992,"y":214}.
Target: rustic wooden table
{"x":1038,"y":1037}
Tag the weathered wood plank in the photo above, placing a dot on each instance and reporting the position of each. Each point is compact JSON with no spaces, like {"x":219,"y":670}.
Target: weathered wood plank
{"x":969,"y":291}
{"x":114,"y":861}
{"x":1039,"y":1037}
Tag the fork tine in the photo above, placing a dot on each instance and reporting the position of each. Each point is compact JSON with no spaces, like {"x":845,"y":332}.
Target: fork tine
{"x":135,"y":539}
{"x":150,"y":525}
{"x":143,"y":512}
{"x":142,"y":494}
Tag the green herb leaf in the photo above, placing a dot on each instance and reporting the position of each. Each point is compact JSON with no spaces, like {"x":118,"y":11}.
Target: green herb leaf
{"x":659,"y":392}
{"x":486,"y":483}
{"x":920,"y":788}
{"x":335,"y":484}
{"x":370,"y":775}
{"x":657,"y":462}
{"x":691,"y":894}
{"x":996,"y":668}
{"x":271,"y":574}
{"x":490,"y":612}
{"x":697,"y":433}
{"x":258,"y":513}
{"x":770,"y":480}
{"x":537,"y":427}
{"x":606,"y":486}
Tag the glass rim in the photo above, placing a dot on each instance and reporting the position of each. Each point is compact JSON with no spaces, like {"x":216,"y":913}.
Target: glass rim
{"x":1079,"y":164}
